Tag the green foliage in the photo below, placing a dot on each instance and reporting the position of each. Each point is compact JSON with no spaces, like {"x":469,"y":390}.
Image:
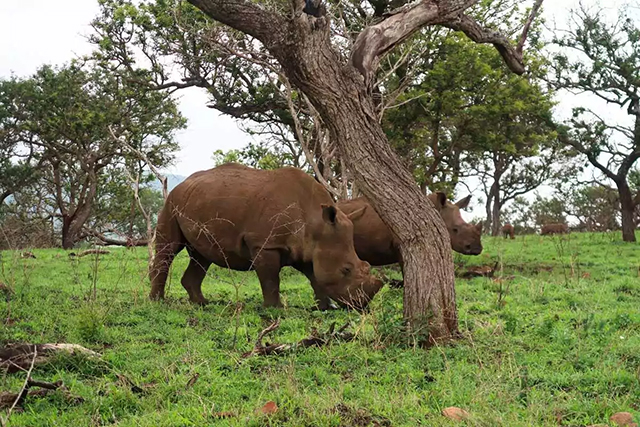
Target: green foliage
{"x":561,"y":343}
{"x":601,"y":56}
{"x":261,"y":156}
{"x":67,"y":118}
{"x":551,"y":210}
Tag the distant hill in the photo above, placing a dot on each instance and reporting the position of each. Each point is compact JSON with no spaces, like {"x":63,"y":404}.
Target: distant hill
{"x":172,"y":182}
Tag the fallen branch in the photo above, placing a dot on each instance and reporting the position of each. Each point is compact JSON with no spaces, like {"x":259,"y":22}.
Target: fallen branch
{"x":315,"y":340}
{"x":19,"y":398}
{"x":6,"y":398}
{"x":90,"y":252}
{"x":479,"y":271}
{"x":19,"y":357}
{"x":128,"y":242}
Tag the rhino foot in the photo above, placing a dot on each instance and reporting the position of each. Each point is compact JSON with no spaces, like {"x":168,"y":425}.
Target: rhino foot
{"x":325,"y":305}
{"x":396,"y":284}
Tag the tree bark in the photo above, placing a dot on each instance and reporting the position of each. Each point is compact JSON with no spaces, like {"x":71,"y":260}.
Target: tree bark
{"x":68,"y":240}
{"x":627,"y":208}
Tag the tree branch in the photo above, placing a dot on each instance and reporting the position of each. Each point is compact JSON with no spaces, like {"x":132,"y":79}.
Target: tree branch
{"x":375,"y":40}
{"x":245,"y":16}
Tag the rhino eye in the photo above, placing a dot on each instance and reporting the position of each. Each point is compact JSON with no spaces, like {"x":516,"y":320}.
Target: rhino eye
{"x":455,"y":230}
{"x":345,"y":270}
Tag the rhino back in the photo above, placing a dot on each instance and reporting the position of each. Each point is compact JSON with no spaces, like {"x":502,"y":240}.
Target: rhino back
{"x":234,"y":208}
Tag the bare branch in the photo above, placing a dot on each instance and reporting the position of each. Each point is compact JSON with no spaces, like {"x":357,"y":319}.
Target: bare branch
{"x":479,"y":34}
{"x":527,"y":25}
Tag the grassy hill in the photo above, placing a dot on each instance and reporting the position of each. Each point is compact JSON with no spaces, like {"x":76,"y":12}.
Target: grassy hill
{"x":552,"y":339}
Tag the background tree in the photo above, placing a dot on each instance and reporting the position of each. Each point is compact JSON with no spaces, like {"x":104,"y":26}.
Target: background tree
{"x":65,"y":115}
{"x":605,"y":61}
{"x":518,"y":213}
{"x":549,"y":210}
{"x":595,"y":206}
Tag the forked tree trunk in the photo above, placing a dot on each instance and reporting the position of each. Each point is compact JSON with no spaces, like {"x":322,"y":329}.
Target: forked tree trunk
{"x":627,"y":208}
{"x":68,"y":239}
{"x":339,"y":94}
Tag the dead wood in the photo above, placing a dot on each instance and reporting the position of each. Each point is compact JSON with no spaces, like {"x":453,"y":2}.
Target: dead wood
{"x":7,"y":399}
{"x":16,"y":358}
{"x":315,"y":340}
{"x":479,"y":271}
{"x":27,"y":255}
{"x":92,"y":252}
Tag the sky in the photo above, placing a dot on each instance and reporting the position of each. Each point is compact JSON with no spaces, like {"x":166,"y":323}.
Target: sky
{"x":37,"y":32}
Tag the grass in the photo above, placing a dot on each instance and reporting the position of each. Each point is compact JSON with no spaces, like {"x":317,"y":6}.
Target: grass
{"x":553,"y":339}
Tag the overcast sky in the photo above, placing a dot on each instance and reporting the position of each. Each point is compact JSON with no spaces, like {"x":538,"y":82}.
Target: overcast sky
{"x":36,"y":32}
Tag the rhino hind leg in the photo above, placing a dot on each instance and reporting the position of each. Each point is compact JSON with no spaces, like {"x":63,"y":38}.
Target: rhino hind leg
{"x":169,"y":241}
{"x":165,"y":253}
{"x":194,"y":275}
{"x":267,"y":265}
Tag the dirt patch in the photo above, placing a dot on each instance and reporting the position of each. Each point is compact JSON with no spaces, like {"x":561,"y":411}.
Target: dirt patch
{"x":359,"y":417}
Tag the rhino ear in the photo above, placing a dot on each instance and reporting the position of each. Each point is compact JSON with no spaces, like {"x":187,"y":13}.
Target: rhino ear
{"x":441,"y":199}
{"x":463,"y":203}
{"x":329,"y":214}
{"x":357,"y":213}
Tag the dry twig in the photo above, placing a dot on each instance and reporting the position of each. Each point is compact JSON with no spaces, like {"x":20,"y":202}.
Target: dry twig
{"x":315,"y":340}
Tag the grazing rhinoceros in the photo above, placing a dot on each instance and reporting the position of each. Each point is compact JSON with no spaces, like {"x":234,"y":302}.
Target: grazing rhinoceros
{"x":375,"y":243}
{"x":558,"y":228}
{"x":507,"y":231}
{"x":250,"y":219}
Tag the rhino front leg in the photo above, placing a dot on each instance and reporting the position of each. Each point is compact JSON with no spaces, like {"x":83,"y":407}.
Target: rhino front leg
{"x":267,"y":266}
{"x":323,"y":302}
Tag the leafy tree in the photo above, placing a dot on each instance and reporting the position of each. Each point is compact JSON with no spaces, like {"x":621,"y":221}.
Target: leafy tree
{"x":605,"y":62}
{"x":550,"y":210}
{"x":518,"y":213}
{"x":69,"y":118}
{"x":596,"y":207}
{"x":513,"y":148}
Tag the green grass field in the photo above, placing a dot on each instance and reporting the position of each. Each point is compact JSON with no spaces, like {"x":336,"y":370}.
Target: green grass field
{"x":553,"y":339}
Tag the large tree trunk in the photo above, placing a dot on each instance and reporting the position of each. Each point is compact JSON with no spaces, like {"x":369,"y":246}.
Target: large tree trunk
{"x":487,"y":210}
{"x":340,"y":96}
{"x":67,"y":239}
{"x":627,"y":208}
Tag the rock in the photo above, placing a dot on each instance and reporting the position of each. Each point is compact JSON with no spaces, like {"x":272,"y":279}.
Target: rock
{"x":622,"y":419}
{"x":456,"y":414}
{"x":269,"y":408}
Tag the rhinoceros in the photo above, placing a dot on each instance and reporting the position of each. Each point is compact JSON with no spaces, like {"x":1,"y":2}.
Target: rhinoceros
{"x":375,"y":243}
{"x":249,"y":219}
{"x":508,"y":231}
{"x":558,"y":228}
